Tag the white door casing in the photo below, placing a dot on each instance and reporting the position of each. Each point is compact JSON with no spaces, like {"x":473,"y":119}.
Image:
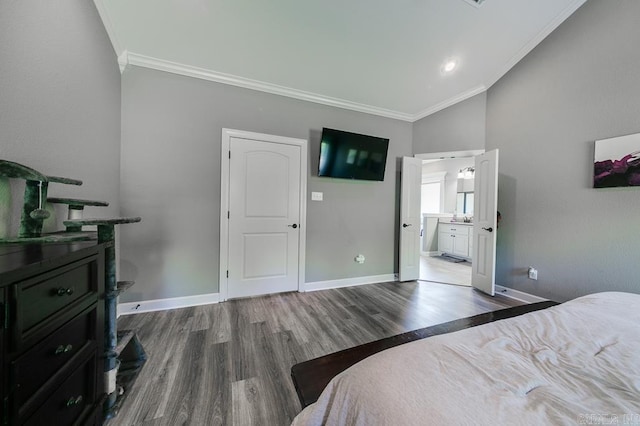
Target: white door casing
{"x":483,"y":268}
{"x":410,"y":192}
{"x":262,"y":215}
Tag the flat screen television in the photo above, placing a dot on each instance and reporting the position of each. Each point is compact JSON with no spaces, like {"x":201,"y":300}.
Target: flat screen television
{"x":349,"y":155}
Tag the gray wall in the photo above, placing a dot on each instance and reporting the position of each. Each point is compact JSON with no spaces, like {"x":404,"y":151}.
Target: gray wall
{"x":170,"y":175}
{"x":59,"y":100}
{"x":579,"y":85}
{"x":460,"y":127}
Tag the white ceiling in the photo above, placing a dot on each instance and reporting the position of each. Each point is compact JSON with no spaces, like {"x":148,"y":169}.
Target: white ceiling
{"x":378,"y":56}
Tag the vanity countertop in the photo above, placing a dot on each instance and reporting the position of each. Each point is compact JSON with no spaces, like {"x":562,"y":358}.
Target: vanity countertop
{"x":451,"y":222}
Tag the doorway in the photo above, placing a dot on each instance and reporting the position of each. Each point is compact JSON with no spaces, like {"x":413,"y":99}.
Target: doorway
{"x":262,"y":215}
{"x":447,"y":189}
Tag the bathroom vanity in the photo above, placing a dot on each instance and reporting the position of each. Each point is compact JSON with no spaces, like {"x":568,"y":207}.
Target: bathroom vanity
{"x":455,"y":238}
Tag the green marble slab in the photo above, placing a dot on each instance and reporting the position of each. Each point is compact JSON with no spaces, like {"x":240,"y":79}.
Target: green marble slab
{"x":66,"y":181}
{"x":77,"y":202}
{"x":66,"y":237}
{"x":103,"y":221}
{"x":18,"y":171}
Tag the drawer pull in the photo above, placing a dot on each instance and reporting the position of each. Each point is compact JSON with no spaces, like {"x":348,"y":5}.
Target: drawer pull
{"x":62,"y":291}
{"x":74,"y":401}
{"x":63,"y":349}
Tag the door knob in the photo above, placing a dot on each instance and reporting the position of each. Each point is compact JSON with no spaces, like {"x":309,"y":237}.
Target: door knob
{"x":294,"y":226}
{"x":404,"y":225}
{"x":489,"y":229}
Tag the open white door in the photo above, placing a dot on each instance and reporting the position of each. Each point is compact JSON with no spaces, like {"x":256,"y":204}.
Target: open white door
{"x":410,"y":192}
{"x":485,"y":207}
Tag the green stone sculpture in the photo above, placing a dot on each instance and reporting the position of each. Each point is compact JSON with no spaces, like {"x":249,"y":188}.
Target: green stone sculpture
{"x":33,"y":206}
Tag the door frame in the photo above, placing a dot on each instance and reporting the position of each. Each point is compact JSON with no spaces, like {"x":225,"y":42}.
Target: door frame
{"x":449,"y":155}
{"x":227,"y":135}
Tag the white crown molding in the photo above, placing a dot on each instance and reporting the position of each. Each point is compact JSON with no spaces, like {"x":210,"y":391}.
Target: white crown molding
{"x":131,"y":58}
{"x":108,"y":26}
{"x":537,"y":39}
{"x":129,"y":308}
{"x":449,"y":102}
{"x":349,"y":282}
{"x":123,"y":61}
{"x":218,"y":77}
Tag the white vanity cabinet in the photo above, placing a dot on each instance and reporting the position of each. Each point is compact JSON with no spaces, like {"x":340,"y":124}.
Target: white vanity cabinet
{"x":455,"y":239}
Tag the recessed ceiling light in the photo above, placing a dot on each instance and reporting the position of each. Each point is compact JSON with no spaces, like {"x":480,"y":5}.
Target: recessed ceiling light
{"x":449,"y":66}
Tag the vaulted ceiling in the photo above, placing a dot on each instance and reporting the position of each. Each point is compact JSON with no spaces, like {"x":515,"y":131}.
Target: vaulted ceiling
{"x":377,"y":56}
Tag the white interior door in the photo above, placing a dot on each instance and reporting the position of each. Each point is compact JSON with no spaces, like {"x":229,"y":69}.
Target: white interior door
{"x":411,"y":181}
{"x":264,"y":217}
{"x":485,"y":207}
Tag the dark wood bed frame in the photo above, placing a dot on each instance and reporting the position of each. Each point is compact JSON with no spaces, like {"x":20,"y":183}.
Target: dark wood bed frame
{"x":311,"y":377}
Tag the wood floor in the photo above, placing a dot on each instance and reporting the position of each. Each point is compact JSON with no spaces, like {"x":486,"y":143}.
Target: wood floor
{"x":229,"y":363}
{"x":436,"y":269}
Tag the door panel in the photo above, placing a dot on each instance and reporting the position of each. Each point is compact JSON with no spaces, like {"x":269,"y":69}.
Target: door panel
{"x":410,"y":219}
{"x":265,"y":255}
{"x":264,"y":204}
{"x":485,"y":222}
{"x":267,"y":188}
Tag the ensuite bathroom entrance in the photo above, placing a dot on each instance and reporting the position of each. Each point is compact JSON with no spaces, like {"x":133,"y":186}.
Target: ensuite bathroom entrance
{"x":447,"y":218}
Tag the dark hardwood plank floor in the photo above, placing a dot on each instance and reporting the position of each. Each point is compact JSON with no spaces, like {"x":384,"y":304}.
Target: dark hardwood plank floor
{"x":230,"y":363}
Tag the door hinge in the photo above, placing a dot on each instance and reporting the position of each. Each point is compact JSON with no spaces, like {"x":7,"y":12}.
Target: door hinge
{"x":227,"y":274}
{"x":228,"y":214}
{"x":229,"y":155}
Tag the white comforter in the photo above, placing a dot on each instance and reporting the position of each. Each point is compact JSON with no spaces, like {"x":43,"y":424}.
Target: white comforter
{"x":576,"y":363}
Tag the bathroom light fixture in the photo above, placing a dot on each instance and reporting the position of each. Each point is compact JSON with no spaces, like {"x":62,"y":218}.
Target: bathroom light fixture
{"x":466,"y":173}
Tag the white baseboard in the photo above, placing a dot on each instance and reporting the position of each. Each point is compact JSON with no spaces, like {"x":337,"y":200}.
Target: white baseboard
{"x":164,"y":304}
{"x":518,"y":295}
{"x":349,"y":282}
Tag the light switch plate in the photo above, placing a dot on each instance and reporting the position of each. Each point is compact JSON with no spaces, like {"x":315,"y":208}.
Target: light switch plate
{"x":316,"y":196}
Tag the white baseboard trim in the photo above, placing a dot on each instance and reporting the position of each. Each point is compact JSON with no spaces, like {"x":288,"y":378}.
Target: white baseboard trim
{"x":349,"y":282}
{"x":518,"y":295}
{"x":130,"y":308}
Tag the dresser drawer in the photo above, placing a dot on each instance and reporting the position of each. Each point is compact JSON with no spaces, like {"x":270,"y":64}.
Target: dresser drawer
{"x":33,"y":369}
{"x":44,"y":303}
{"x":72,"y":401}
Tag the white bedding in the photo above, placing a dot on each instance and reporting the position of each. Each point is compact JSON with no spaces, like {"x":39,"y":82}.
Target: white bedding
{"x":575,"y":363}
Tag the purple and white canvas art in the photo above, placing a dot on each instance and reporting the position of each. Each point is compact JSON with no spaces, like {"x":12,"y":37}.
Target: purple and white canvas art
{"x":617,"y":162}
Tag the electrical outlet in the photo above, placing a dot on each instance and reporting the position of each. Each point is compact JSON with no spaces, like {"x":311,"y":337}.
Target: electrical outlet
{"x":359,"y":258}
{"x":533,"y":273}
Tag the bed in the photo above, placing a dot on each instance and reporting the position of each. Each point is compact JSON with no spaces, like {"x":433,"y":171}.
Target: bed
{"x":575,"y":363}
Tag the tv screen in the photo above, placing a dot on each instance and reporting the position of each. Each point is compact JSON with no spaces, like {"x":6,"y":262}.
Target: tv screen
{"x":349,"y":155}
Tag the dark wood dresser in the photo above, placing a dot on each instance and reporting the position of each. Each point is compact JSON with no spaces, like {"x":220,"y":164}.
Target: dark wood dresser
{"x":52,"y":333}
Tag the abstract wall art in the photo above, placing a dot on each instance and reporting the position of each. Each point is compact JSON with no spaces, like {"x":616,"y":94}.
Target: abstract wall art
{"x":617,"y":162}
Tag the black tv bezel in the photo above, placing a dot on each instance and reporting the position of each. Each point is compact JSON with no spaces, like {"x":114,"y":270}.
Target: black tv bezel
{"x":376,"y":138}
